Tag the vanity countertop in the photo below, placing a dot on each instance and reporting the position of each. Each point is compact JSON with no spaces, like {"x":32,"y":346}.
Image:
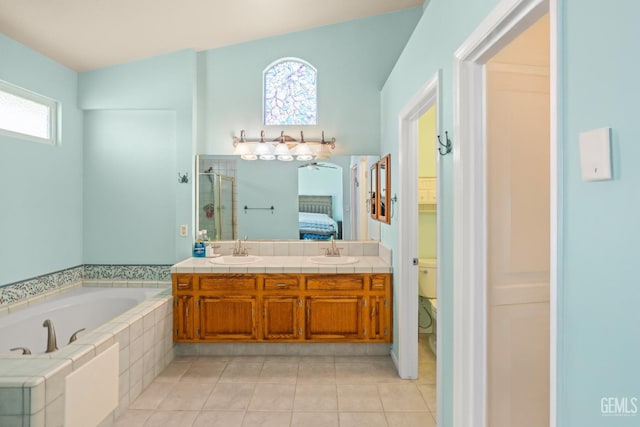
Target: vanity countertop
{"x":284,"y":264}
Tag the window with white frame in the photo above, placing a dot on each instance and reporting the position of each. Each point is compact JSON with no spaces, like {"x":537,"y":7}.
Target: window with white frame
{"x":27,"y":115}
{"x":290,"y":93}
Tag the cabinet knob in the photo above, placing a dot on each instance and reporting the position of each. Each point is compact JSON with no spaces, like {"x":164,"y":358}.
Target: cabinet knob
{"x":183,"y":285}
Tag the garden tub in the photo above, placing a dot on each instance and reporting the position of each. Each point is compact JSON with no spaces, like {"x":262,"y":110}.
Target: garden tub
{"x":126,"y":343}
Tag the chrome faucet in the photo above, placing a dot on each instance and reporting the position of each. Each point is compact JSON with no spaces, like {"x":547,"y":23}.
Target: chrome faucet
{"x":239,"y":249}
{"x":333,"y":250}
{"x":51,"y":336}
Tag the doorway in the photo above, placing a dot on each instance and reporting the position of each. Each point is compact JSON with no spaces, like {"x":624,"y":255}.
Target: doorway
{"x":407,"y":274}
{"x":491,"y":315}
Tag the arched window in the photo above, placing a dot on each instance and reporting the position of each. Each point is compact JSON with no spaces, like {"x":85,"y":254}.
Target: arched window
{"x":290,"y":93}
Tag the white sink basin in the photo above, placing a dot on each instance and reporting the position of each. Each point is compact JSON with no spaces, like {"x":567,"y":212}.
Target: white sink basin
{"x":236,"y":260}
{"x":333,"y":260}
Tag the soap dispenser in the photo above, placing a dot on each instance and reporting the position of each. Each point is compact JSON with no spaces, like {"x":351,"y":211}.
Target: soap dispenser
{"x":199,"y":246}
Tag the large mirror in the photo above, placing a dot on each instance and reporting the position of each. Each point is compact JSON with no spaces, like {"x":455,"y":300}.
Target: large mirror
{"x":274,"y":200}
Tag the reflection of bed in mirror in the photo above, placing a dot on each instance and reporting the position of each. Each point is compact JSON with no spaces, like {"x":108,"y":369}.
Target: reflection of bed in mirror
{"x":314,"y":218}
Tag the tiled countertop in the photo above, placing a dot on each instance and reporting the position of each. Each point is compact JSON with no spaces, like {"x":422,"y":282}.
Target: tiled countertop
{"x":284,"y":264}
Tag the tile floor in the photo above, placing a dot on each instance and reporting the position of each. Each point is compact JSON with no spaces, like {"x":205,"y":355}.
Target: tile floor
{"x":287,"y":391}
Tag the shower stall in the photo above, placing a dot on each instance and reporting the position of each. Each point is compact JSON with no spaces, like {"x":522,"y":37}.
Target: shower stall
{"x":216,"y":205}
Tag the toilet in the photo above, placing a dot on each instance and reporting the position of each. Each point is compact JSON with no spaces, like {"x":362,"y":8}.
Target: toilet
{"x":427,"y":289}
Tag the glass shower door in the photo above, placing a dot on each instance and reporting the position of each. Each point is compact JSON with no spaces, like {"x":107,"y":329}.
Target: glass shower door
{"x":225,"y":208}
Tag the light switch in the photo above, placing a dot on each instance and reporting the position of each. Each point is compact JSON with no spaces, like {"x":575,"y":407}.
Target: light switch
{"x":184,"y":230}
{"x":595,"y":154}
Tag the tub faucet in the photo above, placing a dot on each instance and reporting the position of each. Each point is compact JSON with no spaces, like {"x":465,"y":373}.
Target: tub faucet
{"x":75,"y":335}
{"x":25,"y":350}
{"x":51,"y":336}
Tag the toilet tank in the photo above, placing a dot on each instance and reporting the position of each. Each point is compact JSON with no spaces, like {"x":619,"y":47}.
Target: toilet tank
{"x":427,"y":277}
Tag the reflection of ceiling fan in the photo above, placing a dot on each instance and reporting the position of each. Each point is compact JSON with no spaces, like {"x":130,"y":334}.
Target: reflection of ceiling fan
{"x":316,"y":166}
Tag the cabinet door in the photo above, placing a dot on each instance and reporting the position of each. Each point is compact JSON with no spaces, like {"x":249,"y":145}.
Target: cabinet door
{"x":282,"y":318}
{"x":227,"y":317}
{"x":183,"y":329}
{"x":379,"y":318}
{"x":334,"y":318}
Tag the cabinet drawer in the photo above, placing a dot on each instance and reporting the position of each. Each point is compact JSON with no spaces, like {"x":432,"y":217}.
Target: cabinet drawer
{"x":335,"y":282}
{"x":228,"y":282}
{"x":183,"y":282}
{"x":274,"y":282}
{"x":379,"y":283}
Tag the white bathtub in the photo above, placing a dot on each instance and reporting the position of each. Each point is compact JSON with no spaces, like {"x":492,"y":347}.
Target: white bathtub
{"x":79,"y":308}
{"x":128,"y":342}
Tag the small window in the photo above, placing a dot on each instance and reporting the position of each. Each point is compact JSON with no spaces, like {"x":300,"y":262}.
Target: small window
{"x":290,"y":93}
{"x":27,"y":115}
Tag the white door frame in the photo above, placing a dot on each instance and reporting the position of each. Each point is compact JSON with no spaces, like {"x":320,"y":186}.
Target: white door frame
{"x":509,"y":19}
{"x":407,"y":272}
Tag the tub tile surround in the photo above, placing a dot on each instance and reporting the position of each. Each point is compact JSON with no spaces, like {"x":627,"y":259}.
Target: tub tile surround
{"x":32,"y":387}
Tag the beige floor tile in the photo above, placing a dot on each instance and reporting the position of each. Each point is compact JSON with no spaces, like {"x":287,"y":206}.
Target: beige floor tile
{"x":272,"y":397}
{"x":314,"y":419}
{"x":410,"y":419}
{"x":173,"y":372}
{"x":186,"y":396}
{"x":171,"y":419}
{"x":402,"y":397}
{"x":426,"y":373}
{"x":286,"y":390}
{"x":310,"y":360}
{"x":281,"y":359}
{"x":273,"y":372}
{"x":316,"y":373}
{"x":133,"y":418}
{"x":219,"y":419}
{"x":363,"y":419}
{"x":230,"y":396}
{"x":365,"y":398}
{"x":315,"y":397}
{"x":152,"y":396}
{"x":241,"y":373}
{"x":248,"y":359}
{"x":428,"y":392}
{"x":355,"y":373}
{"x":208,"y":372}
{"x":266,"y":419}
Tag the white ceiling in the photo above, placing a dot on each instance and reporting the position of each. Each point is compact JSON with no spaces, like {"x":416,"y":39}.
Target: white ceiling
{"x":89,"y":34}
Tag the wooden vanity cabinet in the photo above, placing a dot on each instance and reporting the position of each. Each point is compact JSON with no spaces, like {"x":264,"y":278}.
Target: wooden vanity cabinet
{"x":282,"y":307}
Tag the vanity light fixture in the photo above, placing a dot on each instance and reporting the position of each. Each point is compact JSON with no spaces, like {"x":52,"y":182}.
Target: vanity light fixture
{"x":264,"y":150}
{"x":283,"y":148}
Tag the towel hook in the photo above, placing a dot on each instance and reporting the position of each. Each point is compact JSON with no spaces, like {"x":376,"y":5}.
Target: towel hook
{"x":448,"y":146}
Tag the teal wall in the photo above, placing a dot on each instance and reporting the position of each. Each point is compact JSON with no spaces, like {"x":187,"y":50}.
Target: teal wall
{"x":598,"y":292}
{"x":167,"y":83}
{"x":353,"y":60}
{"x":40,"y":185}
{"x":598,"y":300}
{"x":439,"y":33}
{"x":129,"y":216}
